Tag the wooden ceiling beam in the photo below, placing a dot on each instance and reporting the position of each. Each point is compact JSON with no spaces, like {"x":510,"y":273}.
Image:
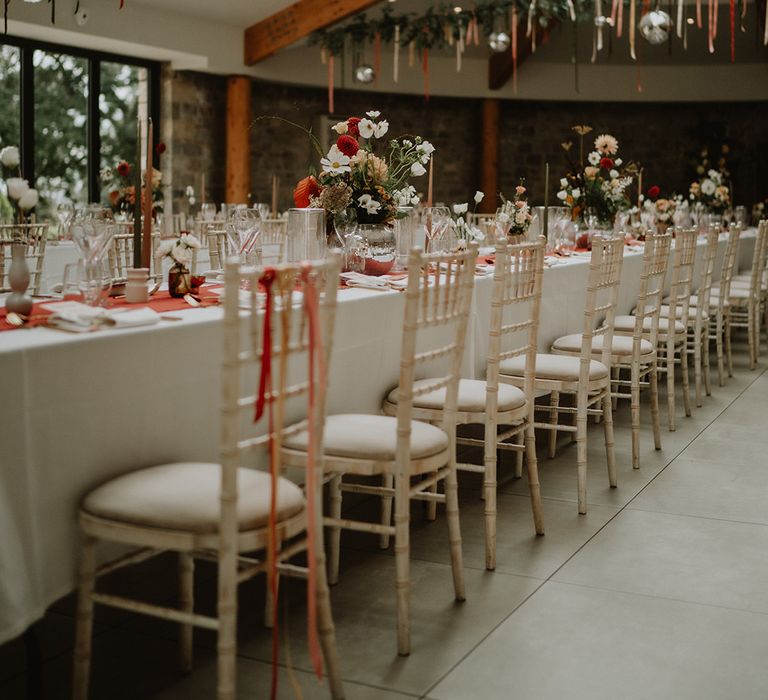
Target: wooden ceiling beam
{"x":295,"y":22}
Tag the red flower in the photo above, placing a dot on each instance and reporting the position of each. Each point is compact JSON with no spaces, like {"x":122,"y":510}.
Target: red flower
{"x":305,"y":189}
{"x":123,"y":169}
{"x":654,"y":191}
{"x":606,"y":163}
{"x":352,"y":123}
{"x":160,"y":148}
{"x":347,"y":145}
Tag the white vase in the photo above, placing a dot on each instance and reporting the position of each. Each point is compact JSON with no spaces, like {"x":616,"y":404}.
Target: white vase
{"x":18,"y":278}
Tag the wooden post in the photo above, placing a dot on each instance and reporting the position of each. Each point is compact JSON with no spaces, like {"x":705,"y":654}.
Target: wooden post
{"x":489,"y":161}
{"x":238,"y":139}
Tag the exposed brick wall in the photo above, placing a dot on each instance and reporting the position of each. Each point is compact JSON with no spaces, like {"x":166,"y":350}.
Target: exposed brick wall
{"x":659,"y":136}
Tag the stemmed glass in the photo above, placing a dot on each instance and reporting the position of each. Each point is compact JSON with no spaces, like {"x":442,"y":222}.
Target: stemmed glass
{"x":246,"y":224}
{"x":345,"y":226}
{"x":93,"y":237}
{"x":502,"y":222}
{"x":435,"y":221}
{"x":65,"y":213}
{"x":208,"y":212}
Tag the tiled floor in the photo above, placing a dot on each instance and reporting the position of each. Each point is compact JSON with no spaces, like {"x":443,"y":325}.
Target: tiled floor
{"x":661,"y":591}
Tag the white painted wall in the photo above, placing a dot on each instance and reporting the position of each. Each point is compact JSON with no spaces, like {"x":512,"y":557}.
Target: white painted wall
{"x":217,"y":47}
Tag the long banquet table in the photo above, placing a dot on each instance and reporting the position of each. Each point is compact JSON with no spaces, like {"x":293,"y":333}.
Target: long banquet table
{"x":79,"y":409}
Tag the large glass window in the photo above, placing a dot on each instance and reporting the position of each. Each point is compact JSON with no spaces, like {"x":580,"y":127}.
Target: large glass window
{"x":73,"y":113}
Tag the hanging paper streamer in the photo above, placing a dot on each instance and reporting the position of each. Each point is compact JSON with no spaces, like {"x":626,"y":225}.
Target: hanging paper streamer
{"x":680,"y":5}
{"x":716,"y":5}
{"x":632,"y":23}
{"x":376,"y":56}
{"x":459,"y":47}
{"x":330,"y":84}
{"x":711,"y":26}
{"x":698,"y":14}
{"x":514,"y":49}
{"x":732,"y":18}
{"x":530,"y":30}
{"x":599,"y":13}
{"x":425,"y":68}
{"x":396,"y":58}
{"x":743,"y":14}
{"x":765,"y":24}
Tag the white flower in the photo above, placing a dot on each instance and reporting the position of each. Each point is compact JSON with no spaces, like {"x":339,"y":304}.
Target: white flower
{"x":165,"y":247}
{"x":479,"y":196}
{"x":618,"y":161}
{"x":366,"y":128}
{"x":576,"y":193}
{"x":521,"y":217}
{"x":340,"y":128}
{"x":192,"y":200}
{"x":561,"y":195}
{"x":713,"y":174}
{"x":594,"y":158}
{"x":417,"y":169}
{"x":189,"y":191}
{"x":181,"y":254}
{"x":407,"y":142}
{"x":425,"y":147}
{"x":614,"y":174}
{"x":17,"y":187}
{"x":28,"y":200}
{"x":502,"y":217}
{"x":9,"y":157}
{"x":188,"y":240}
{"x":373,"y":114}
{"x":336,"y":162}
{"x":381,"y":128}
{"x":368,"y":203}
{"x":460,"y":208}
{"x":563,"y":182}
{"x":707,"y":187}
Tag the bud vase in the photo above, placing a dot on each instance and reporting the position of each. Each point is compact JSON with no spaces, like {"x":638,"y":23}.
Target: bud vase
{"x":179,"y":281}
{"x":18,"y":278}
{"x":380,"y":247}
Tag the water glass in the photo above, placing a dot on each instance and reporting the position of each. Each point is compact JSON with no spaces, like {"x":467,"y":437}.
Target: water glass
{"x":436,"y":221}
{"x":405,"y":235}
{"x":208,"y":211}
{"x":306,"y":234}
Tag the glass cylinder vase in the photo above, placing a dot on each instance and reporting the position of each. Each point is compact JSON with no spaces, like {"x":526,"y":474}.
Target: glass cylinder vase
{"x":380,"y":247}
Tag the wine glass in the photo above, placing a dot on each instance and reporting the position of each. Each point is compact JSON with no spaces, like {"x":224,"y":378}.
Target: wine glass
{"x":345,"y":226}
{"x":502,"y":221}
{"x":93,"y":236}
{"x":264,"y":209}
{"x":246,"y":226}
{"x":208,"y":211}
{"x":435,"y":221}
{"x":65,"y":213}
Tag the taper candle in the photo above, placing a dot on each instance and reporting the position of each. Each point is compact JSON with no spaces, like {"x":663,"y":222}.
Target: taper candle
{"x":640,"y":188}
{"x":429,"y":186}
{"x":546,"y":201}
{"x":146,"y":247}
{"x":137,"y":201}
{"x":202,"y":188}
{"x":274,"y":196}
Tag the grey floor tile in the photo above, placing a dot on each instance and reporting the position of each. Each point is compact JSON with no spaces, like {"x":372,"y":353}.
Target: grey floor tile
{"x":715,"y":562}
{"x":585,"y":644}
{"x":708,"y":488}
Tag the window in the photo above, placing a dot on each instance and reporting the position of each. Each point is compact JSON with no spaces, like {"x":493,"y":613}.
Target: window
{"x":73,"y":113}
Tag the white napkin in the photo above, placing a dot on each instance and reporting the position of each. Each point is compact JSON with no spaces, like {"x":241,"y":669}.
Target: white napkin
{"x":358,"y":279}
{"x":79,"y":318}
{"x":131,"y":317}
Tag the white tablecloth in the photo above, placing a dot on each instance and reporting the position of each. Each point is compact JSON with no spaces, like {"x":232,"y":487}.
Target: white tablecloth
{"x":77,"y":410}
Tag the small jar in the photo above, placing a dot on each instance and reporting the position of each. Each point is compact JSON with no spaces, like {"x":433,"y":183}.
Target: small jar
{"x":136,"y":291}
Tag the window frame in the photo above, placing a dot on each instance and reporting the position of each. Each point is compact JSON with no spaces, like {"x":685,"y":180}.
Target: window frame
{"x":27,"y":47}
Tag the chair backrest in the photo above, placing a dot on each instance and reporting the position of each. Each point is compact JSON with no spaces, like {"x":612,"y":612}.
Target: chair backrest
{"x":517,"y":280}
{"x":217,"y":247}
{"x":651,"y":294}
{"x":272,"y":239}
{"x":705,"y":278}
{"x":681,"y":286}
{"x":34,"y":237}
{"x":274,"y":352}
{"x":728,"y":268}
{"x":438,"y":299}
{"x":120,"y":255}
{"x":602,"y":294}
{"x":759,"y":260}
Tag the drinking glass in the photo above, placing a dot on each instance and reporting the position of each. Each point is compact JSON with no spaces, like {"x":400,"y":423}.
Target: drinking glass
{"x":65,"y":213}
{"x":70,"y":284}
{"x":405,"y":233}
{"x":264,"y":209}
{"x":502,"y":222}
{"x":435,"y":221}
{"x":208,"y":211}
{"x":246,"y":225}
{"x":92,"y":237}
{"x":306,"y":234}
{"x":345,"y":226}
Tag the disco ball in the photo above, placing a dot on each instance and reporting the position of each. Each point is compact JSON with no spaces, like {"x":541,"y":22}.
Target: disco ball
{"x":364,"y":74}
{"x":655,"y":26}
{"x":499,"y":41}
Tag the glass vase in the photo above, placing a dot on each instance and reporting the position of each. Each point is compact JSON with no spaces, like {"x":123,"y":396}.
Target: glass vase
{"x":179,"y":281}
{"x":380,"y":247}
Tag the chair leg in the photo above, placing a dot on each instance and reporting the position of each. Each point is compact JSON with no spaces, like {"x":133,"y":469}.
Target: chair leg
{"x":533,"y":478}
{"x":719,"y":347}
{"x":84,"y":624}
{"x":226,"y":646}
{"x":187,"y":604}
{"x":581,"y":450}
{"x":454,"y":531}
{"x":728,"y":352}
{"x":490,"y":483}
{"x":432,"y":505}
{"x":705,"y":361}
{"x":635,"y":407}
{"x":388,"y":482}
{"x":610,"y":454}
{"x":520,"y":440}
{"x":751,"y":336}
{"x":697,"y":369}
{"x":616,"y":375}
{"x":554,"y":402}
{"x":670,"y":358}
{"x":334,"y":534}
{"x":402,"y":564}
{"x":327,"y":631}
{"x":654,"y":379}
{"x":686,"y":383}
{"x":269,"y":599}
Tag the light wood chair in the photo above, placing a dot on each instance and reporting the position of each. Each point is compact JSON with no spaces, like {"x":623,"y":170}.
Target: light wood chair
{"x":217,"y":247}
{"x":272,"y":240}
{"x":517,"y":280}
{"x":641,"y":358}
{"x":223,"y":510}
{"x":410,"y":454}
{"x":34,"y":238}
{"x":746,"y":302}
{"x":583,"y":377}
{"x":120,"y":255}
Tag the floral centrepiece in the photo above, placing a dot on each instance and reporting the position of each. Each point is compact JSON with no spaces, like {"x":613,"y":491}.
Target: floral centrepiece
{"x":465,"y":231}
{"x":711,"y":191}
{"x":596,"y":186}
{"x":514,"y":217}
{"x":22,"y":197}
{"x":121,"y":188}
{"x":180,"y":250}
{"x":359,"y":172}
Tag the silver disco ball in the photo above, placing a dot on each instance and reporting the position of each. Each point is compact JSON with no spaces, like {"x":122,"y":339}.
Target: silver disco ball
{"x":364,"y":73}
{"x":499,"y":41}
{"x":655,"y":26}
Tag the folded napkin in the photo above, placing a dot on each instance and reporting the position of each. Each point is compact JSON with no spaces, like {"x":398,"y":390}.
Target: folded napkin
{"x":358,"y":279}
{"x":81,"y":318}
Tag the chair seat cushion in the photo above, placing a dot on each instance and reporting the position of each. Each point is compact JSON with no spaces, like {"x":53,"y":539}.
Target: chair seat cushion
{"x":620,"y":344}
{"x":371,"y":437}
{"x":745,"y":284}
{"x":471,"y":396}
{"x":737,"y":292}
{"x":691,"y":312}
{"x":557,"y":367}
{"x":627,"y":323}
{"x":185,"y":496}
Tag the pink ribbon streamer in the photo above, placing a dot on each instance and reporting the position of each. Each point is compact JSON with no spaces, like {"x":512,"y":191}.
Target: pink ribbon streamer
{"x":330,"y":84}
